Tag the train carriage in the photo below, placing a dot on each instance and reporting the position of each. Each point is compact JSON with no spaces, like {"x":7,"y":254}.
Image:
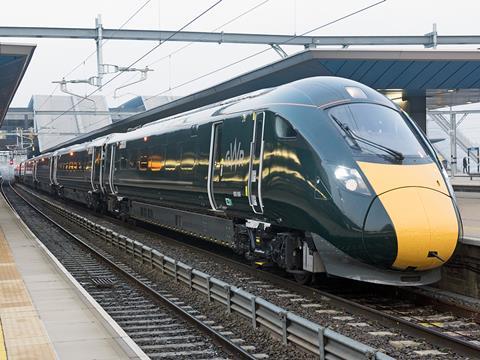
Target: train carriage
{"x":27,"y":172}
{"x":71,"y":173}
{"x":43,"y":170}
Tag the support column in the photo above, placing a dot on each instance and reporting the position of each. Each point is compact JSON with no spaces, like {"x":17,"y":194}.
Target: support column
{"x":453,"y":142}
{"x":416,"y":107}
{"x":99,"y":27}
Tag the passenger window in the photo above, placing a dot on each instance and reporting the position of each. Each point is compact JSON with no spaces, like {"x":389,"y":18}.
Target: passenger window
{"x":172,"y":158}
{"x":123,"y":163}
{"x":194,"y":130}
{"x":143,"y":163}
{"x":283,"y":129}
{"x":155,"y":162}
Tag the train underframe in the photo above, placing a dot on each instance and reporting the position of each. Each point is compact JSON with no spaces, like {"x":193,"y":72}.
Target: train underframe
{"x":260,"y":243}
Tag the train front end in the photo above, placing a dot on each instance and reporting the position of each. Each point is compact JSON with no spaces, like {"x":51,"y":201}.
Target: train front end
{"x":393,"y":195}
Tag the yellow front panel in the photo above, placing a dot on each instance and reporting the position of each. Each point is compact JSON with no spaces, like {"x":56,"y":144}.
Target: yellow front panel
{"x":417,"y":201}
{"x":424,"y":220}
{"x":443,"y":223}
{"x":384,"y":177}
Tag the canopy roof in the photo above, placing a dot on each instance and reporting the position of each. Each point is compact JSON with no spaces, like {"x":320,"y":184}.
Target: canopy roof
{"x":428,"y":72}
{"x":14,"y":60}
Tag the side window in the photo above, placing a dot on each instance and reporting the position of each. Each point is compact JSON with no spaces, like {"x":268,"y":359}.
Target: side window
{"x":143,"y":163}
{"x":283,"y":129}
{"x":132,"y":157}
{"x":122,"y":162}
{"x":155,"y":162}
{"x":188,"y":157}
{"x":172,"y":157}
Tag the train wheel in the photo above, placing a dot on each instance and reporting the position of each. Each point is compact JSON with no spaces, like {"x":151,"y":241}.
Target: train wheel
{"x":303,"y":278}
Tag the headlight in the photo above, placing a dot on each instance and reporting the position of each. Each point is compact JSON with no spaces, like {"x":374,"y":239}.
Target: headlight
{"x":351,"y":180}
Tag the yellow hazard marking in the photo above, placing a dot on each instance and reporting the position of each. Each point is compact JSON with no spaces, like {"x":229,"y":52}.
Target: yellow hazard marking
{"x":424,"y":220}
{"x":385,"y":177}
{"x":3,"y":351}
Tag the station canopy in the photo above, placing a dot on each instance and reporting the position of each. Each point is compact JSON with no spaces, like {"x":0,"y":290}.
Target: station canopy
{"x":438,"y":77}
{"x":14,"y":60}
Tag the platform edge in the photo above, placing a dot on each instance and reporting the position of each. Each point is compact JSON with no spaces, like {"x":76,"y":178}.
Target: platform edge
{"x":125,"y":342}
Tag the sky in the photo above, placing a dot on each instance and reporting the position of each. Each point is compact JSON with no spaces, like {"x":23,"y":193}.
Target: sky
{"x":56,"y":58}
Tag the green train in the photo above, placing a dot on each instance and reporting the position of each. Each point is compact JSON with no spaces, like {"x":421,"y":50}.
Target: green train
{"x":320,"y":175}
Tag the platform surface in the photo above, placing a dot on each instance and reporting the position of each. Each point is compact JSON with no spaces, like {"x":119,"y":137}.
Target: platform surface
{"x":41,"y":314}
{"x":463,"y":180}
{"x":469,"y":204}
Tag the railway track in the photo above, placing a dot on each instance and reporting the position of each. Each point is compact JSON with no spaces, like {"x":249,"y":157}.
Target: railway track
{"x":153,"y":318}
{"x":458,"y":335}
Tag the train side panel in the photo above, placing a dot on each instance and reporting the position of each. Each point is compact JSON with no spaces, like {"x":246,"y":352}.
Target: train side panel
{"x":73,"y":175}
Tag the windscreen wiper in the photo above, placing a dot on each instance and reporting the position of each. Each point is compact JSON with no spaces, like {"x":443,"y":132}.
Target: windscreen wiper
{"x":396,"y":154}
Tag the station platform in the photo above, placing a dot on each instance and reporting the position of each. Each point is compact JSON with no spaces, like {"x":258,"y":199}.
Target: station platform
{"x":43,"y":312}
{"x":464,"y":182}
{"x":469,"y":204}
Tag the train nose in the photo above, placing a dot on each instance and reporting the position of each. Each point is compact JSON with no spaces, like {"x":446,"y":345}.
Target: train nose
{"x":421,"y":220}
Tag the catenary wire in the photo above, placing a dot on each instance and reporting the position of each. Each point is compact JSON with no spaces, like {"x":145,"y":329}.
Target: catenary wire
{"x":95,"y":51}
{"x":246,"y":12}
{"x":267,"y":49}
{"x":260,"y":52}
{"x":136,"y":61}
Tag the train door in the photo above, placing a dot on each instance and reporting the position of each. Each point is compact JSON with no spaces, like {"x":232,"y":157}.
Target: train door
{"x":214,"y":163}
{"x":93,"y":167}
{"x":256,"y":164}
{"x":97,"y":168}
{"x":35,"y":167}
{"x":233,"y":175}
{"x":54,"y":170}
{"x":50,"y":169}
{"x":112,"y":152}
{"x":108,"y":168}
{"x":105,"y":169}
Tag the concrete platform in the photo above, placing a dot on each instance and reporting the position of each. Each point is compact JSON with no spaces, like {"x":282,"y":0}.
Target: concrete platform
{"x":44,"y":312}
{"x":469,"y":204}
{"x":465,"y":183}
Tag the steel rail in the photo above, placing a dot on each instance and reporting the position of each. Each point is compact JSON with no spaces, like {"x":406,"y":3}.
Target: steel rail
{"x":217,"y":338}
{"x":434,"y":337}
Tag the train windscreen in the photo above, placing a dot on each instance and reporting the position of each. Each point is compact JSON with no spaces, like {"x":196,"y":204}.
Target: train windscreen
{"x":378,"y":131}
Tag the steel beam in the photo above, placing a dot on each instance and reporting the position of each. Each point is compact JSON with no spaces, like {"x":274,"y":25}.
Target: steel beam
{"x":453,"y":144}
{"x":84,"y":112}
{"x":234,"y":38}
{"x":447,"y":112}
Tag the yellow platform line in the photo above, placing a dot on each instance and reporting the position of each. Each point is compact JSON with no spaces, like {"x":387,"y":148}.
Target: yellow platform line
{"x":3,"y":350}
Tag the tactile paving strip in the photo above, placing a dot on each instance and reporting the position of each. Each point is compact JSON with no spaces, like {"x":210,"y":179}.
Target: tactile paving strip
{"x":22,"y":335}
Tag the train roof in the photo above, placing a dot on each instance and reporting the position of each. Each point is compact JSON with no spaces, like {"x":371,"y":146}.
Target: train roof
{"x":319,"y":91}
{"x":316,"y":91}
